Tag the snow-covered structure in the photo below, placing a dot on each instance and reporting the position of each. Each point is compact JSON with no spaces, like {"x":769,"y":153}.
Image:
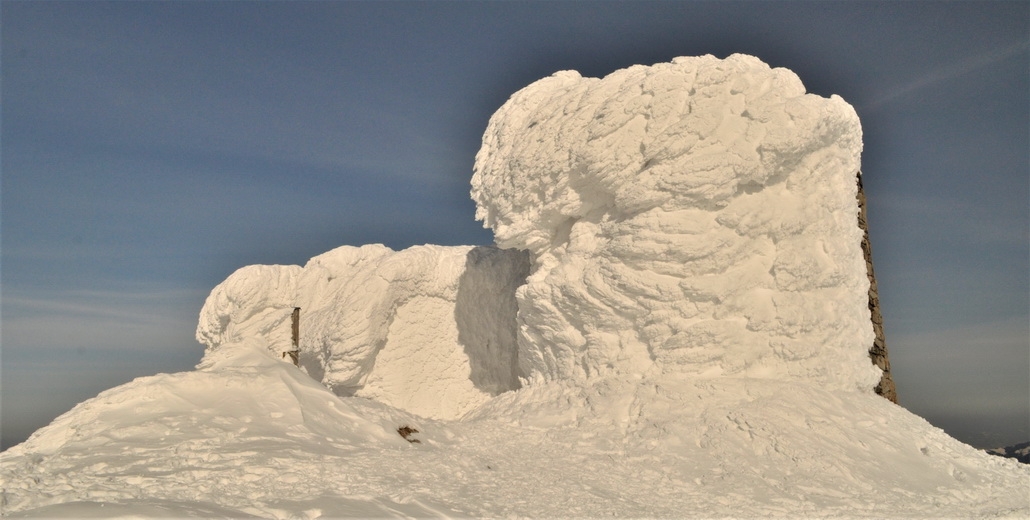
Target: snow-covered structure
{"x":679,"y":325}
{"x":430,"y":329}
{"x":698,"y":216}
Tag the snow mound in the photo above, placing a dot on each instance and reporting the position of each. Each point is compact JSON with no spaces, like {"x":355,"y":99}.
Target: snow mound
{"x":221,"y":441}
{"x":429,"y":329}
{"x":250,"y":435}
{"x":698,"y":217}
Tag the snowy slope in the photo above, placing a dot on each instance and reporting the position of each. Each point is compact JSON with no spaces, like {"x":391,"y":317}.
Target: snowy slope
{"x":219,"y":441}
{"x":254,"y":436}
{"x":684,"y":335}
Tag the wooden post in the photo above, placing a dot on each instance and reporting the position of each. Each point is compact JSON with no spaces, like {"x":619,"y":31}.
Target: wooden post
{"x":296,"y":328}
{"x":295,"y":353}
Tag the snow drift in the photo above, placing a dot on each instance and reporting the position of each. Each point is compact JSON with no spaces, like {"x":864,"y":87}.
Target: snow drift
{"x":251,"y":436}
{"x":698,"y":216}
{"x":678,"y":327}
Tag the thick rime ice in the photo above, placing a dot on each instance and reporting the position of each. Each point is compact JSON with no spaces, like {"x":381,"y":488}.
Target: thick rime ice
{"x":682,"y":221}
{"x":430,"y":329}
{"x":695,"y":217}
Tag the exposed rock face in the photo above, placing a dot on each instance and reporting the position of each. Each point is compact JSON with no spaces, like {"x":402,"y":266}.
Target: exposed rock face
{"x":878,"y":352}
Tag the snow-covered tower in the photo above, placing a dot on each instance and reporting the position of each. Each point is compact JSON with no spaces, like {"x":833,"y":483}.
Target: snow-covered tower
{"x":698,"y":216}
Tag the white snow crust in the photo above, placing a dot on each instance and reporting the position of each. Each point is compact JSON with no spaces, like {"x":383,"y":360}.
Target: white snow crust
{"x":698,"y":217}
{"x":249,"y":435}
{"x":677,"y":328}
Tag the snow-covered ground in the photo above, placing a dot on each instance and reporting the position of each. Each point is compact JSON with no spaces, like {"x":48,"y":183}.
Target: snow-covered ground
{"x":679,"y":328}
{"x":250,"y":435}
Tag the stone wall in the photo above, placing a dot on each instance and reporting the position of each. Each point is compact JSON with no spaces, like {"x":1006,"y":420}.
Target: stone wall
{"x":878,"y":352}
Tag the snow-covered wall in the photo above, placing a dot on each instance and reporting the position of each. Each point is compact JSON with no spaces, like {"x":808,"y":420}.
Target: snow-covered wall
{"x":698,"y":217}
{"x":429,"y":329}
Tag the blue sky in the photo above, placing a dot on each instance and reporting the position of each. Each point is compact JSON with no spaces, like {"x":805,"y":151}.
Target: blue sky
{"x":149,"y":149}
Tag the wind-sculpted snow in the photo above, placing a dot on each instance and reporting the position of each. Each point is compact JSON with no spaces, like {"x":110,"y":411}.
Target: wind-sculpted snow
{"x":691,"y":319}
{"x":697,"y":217}
{"x":429,"y":329}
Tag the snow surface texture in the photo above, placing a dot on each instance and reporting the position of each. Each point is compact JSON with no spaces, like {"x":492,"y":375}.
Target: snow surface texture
{"x":722,"y":242}
{"x":429,"y":329}
{"x":699,"y":215}
{"x":249,"y":435}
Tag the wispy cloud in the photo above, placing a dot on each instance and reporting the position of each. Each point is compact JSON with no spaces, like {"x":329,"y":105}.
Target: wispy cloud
{"x":969,"y":221}
{"x":99,"y":319}
{"x":959,"y":68}
{"x":134,"y":307}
